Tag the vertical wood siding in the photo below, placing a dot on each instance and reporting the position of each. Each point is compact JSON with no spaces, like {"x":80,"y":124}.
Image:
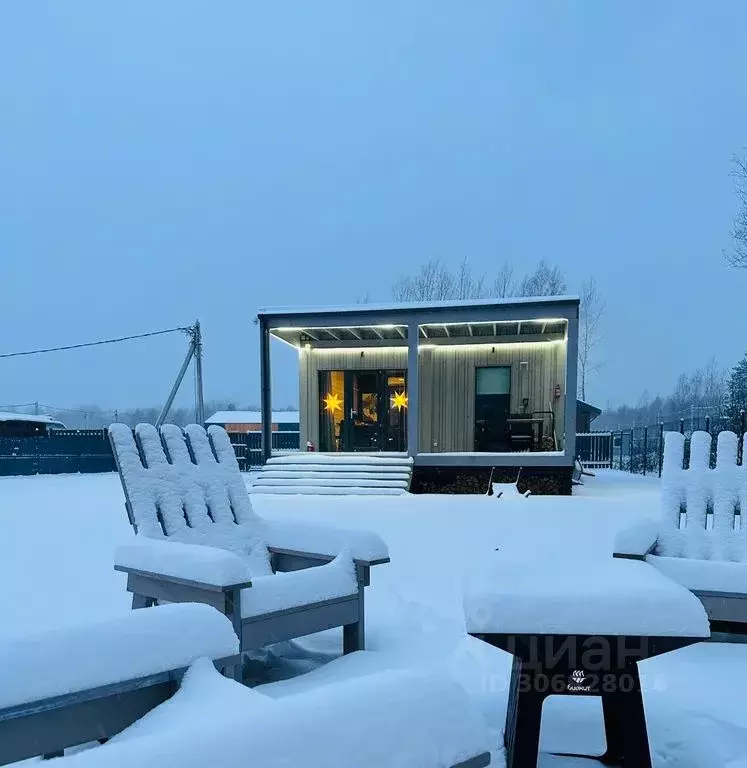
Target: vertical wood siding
{"x":447,"y":385}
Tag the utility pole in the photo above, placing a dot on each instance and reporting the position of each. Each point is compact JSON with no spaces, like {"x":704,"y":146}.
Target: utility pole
{"x":199,"y":399}
{"x":194,"y":350}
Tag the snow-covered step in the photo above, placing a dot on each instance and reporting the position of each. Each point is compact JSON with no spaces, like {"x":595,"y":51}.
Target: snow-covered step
{"x":325,"y":473}
{"x":312,"y":457}
{"x":294,"y":472}
{"x":287,"y":466}
{"x":369,"y":482}
{"x":325,"y":490}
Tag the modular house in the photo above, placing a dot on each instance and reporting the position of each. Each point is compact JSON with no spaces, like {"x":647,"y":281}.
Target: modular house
{"x":468,"y":389}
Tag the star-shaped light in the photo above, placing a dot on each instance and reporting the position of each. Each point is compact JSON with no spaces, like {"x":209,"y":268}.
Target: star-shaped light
{"x":399,"y":400}
{"x":332,"y":403}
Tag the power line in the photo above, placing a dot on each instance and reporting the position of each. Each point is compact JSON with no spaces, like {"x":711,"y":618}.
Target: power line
{"x":93,"y":343}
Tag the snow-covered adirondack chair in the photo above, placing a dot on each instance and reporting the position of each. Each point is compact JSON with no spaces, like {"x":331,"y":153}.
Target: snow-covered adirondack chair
{"x":701,"y":539}
{"x":64,"y":687}
{"x":199,"y":540}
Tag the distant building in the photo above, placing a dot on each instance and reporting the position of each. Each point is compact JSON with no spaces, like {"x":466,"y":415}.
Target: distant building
{"x":585,"y":414}
{"x":251,"y":421}
{"x":26,"y":424}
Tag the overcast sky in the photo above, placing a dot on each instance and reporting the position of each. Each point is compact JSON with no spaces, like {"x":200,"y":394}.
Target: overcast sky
{"x":163,"y":161}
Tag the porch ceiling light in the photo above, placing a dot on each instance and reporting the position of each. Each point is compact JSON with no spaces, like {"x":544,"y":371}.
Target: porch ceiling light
{"x":498,"y":322}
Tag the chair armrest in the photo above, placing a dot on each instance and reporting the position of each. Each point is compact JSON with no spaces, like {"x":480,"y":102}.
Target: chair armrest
{"x":637,"y":541}
{"x":323,"y":543}
{"x":193,"y":565}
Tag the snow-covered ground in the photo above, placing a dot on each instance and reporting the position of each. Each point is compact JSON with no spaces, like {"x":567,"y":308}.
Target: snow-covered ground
{"x":58,"y":535}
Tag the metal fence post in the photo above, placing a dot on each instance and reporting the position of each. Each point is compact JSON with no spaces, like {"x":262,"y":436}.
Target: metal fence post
{"x":645,"y":449}
{"x":708,"y":424}
{"x":682,"y":426}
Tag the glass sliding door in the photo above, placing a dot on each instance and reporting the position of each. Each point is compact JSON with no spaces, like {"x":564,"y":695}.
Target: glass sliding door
{"x":362,"y":410}
{"x":331,"y":410}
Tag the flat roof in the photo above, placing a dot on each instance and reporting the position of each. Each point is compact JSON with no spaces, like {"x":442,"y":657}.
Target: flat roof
{"x":352,"y":309}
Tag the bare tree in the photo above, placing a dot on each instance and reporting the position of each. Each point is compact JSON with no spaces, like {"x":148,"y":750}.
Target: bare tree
{"x":546,"y":280}
{"x":737,"y":257}
{"x":504,"y":284}
{"x":436,"y":282}
{"x":589,"y":333}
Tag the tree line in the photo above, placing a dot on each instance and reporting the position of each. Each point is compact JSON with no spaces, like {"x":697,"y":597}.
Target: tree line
{"x":437,"y":281}
{"x":710,"y":391}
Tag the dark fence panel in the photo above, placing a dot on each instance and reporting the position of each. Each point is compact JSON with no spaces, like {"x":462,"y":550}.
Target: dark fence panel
{"x":248,"y":446}
{"x":641,"y":449}
{"x":594,"y":449}
{"x":64,"y":450}
{"x":88,"y":451}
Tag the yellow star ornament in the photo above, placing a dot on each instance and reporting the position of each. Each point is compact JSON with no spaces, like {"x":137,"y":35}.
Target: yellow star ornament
{"x":332,"y":403}
{"x":399,"y":400}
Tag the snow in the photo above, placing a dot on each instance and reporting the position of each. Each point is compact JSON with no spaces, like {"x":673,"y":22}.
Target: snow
{"x":58,"y":534}
{"x":39,"y":665}
{"x":703,"y":575}
{"x":289,"y":590}
{"x":318,"y":539}
{"x":366,"y":309}
{"x":208,"y":565}
{"x":313,"y":457}
{"x":562,"y":595}
{"x":41,"y":418}
{"x":398,"y":719}
{"x":637,"y":540}
{"x":252,"y":417}
{"x":508,"y":491}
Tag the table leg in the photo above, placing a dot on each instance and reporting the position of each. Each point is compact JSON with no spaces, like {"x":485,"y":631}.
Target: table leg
{"x":523,"y":718}
{"x":625,"y":722}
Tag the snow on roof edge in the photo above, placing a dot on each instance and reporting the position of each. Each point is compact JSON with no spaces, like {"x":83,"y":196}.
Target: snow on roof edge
{"x":41,"y":417}
{"x":404,"y":306}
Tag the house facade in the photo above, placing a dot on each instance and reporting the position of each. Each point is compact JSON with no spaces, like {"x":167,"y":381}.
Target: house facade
{"x":462,"y":387}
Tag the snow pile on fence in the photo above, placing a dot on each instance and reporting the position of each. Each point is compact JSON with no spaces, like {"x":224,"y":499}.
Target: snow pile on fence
{"x":393,"y":718}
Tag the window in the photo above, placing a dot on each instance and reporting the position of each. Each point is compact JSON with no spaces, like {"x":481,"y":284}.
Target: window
{"x":494,"y":381}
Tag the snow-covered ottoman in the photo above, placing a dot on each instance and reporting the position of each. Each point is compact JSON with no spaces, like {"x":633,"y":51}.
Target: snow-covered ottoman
{"x":64,"y":687}
{"x":579,"y":628}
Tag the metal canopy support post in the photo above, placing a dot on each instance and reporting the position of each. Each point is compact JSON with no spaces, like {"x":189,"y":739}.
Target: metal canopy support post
{"x":571,"y":384}
{"x":413,"y":388}
{"x":266,"y":389}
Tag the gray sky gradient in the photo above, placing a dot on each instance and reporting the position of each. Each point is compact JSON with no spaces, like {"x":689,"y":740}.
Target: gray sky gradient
{"x":162,"y":161}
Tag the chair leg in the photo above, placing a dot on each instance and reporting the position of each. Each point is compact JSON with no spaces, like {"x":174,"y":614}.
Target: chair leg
{"x":140,"y":601}
{"x":354,"y":635}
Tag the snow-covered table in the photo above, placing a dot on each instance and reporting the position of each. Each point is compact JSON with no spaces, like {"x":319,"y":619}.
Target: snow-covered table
{"x":579,"y":627}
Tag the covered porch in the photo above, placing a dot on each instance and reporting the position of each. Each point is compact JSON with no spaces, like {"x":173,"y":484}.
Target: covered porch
{"x":447,"y":383}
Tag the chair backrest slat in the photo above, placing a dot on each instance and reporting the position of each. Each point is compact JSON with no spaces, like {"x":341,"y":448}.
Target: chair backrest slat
{"x":701,"y":507}
{"x":177,"y":480}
